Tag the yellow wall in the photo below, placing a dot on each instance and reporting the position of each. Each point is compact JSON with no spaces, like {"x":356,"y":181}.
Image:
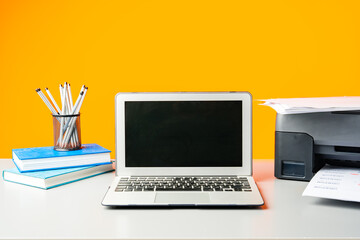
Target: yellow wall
{"x":270,"y":48}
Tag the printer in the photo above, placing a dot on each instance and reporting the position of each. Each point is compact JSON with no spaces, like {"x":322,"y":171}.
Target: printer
{"x":305,"y":142}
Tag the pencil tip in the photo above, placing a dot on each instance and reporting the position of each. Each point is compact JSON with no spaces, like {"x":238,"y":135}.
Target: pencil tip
{"x":37,"y":89}
{"x":46,"y":89}
{"x":86,"y":88}
{"x":82,"y":93}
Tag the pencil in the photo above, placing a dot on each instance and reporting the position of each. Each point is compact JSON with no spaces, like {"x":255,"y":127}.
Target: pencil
{"x":52,"y":99}
{"x":46,"y":101}
{"x":76,"y":110}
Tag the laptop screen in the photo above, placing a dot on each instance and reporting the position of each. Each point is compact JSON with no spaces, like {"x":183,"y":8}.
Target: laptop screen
{"x":183,"y":134}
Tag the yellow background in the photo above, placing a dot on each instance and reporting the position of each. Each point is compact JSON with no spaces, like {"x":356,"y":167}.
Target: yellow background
{"x":271,"y":48}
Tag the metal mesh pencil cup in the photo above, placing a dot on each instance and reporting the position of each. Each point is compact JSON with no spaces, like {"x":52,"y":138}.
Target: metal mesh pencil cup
{"x":67,"y":134}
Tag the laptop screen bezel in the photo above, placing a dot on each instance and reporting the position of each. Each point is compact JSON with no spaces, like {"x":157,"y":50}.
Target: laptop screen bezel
{"x":122,"y":98}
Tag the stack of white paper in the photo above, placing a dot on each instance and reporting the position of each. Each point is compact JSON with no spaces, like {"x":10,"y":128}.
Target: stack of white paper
{"x":308,"y":105}
{"x":335,"y":183}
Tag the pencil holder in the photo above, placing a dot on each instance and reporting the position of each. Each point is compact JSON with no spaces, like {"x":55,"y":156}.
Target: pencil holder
{"x":67,"y":134}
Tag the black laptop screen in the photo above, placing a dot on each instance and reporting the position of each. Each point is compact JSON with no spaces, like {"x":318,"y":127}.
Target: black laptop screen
{"x":183,"y":134}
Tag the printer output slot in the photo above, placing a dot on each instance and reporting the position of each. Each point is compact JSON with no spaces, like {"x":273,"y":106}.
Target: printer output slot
{"x":356,"y":112}
{"x":347,"y":149}
{"x":338,"y":155}
{"x":321,"y":160}
{"x":343,"y":163}
{"x":338,"y":152}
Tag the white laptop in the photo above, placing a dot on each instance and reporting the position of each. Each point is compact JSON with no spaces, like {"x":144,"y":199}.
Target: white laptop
{"x":183,"y":149}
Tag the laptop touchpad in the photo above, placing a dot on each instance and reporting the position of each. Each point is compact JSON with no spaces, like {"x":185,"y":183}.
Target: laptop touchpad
{"x":182,"y":198}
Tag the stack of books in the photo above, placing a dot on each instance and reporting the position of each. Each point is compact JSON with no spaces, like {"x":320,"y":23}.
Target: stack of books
{"x":46,"y":168}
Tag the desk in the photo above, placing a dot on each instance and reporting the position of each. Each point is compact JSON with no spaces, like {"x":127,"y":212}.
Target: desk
{"x":74,"y":211}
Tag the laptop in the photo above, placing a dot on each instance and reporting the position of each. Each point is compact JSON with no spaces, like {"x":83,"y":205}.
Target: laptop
{"x":183,"y":149}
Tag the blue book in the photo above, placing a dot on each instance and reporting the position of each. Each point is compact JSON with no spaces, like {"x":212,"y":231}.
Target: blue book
{"x":45,"y":158}
{"x":54,"y":178}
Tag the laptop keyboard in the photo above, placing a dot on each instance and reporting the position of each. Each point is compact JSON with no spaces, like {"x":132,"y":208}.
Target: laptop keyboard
{"x":186,"y":183}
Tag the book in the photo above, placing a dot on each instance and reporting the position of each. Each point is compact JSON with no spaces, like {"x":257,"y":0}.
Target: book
{"x":53,"y":178}
{"x":46,"y":158}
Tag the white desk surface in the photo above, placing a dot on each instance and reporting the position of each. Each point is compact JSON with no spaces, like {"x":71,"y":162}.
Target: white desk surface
{"x":74,"y":211}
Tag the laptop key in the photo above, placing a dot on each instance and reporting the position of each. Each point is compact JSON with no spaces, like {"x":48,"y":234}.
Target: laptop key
{"x":119,"y":189}
{"x":164,"y":189}
{"x":228,"y":189}
{"x":124,"y":184}
{"x":191,"y":189}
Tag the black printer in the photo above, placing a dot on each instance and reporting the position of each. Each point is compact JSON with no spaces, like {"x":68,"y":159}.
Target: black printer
{"x":305,"y":142}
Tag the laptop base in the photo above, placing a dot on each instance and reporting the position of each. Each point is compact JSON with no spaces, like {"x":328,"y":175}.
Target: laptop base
{"x":182,"y":198}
